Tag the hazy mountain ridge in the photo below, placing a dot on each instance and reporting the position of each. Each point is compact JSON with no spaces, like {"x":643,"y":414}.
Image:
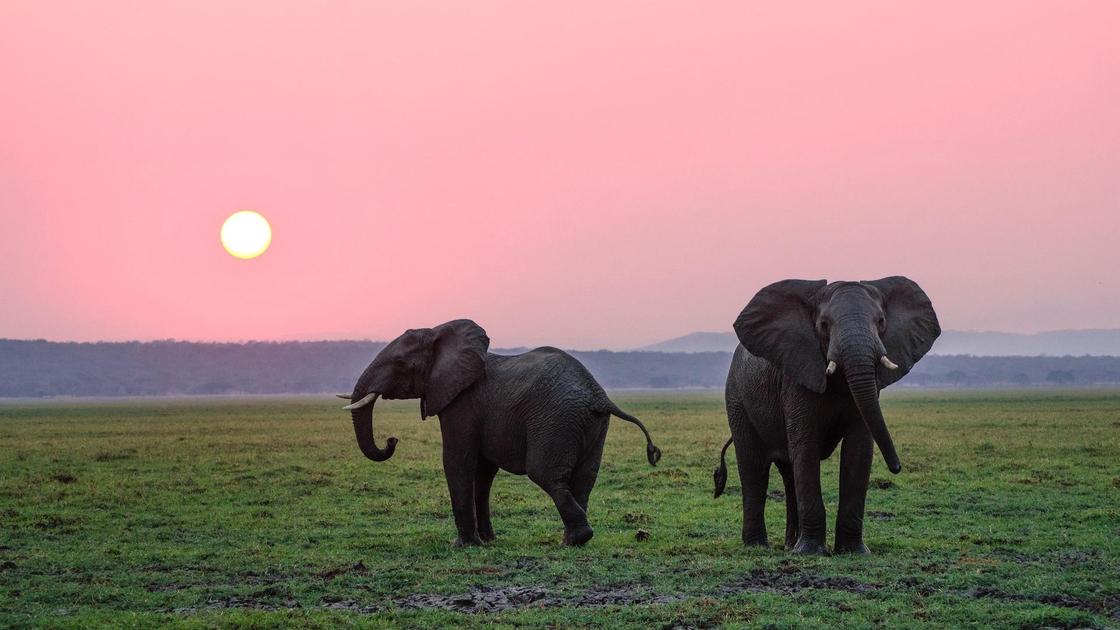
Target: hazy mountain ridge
{"x":1054,"y":343}
{"x":42,"y":368}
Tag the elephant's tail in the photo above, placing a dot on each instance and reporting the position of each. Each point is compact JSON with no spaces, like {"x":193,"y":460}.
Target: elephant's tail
{"x":653,"y":454}
{"x":720,"y":475}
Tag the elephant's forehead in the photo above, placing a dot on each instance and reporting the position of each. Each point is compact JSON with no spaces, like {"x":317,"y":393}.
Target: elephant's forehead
{"x":410,"y":341}
{"x":850,"y":294}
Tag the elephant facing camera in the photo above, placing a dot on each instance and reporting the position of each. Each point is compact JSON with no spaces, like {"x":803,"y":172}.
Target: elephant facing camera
{"x":805,"y":378}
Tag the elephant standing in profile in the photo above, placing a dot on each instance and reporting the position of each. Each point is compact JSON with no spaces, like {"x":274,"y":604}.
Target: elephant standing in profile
{"x":812,"y":359}
{"x":539,"y":413}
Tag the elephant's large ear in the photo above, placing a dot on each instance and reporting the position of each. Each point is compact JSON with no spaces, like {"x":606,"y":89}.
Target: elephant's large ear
{"x":912,"y":325}
{"x":779,"y":325}
{"x":458,"y":360}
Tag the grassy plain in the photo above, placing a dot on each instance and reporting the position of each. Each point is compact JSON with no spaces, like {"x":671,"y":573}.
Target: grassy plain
{"x":217,"y":512}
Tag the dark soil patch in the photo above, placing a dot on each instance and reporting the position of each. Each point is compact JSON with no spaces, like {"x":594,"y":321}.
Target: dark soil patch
{"x":880,"y":516}
{"x":329,"y":574}
{"x":640,"y":518}
{"x":156,"y":587}
{"x":882,"y":484}
{"x":1108,"y":605}
{"x":484,"y":599}
{"x":59,"y":522}
{"x":1074,"y":557}
{"x":788,"y":580}
{"x":776,"y":495}
{"x":487,"y":599}
{"x":64,"y":477}
{"x":113,"y":456}
{"x":238,"y":602}
{"x":525,"y":563}
{"x":478,"y":599}
{"x":785,"y":580}
{"x":915,"y":583}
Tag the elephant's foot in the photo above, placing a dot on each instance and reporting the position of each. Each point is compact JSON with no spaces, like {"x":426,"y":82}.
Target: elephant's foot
{"x":792,"y":534}
{"x":810,"y":547}
{"x":578,"y":535}
{"x":852,"y":546}
{"x":468,"y":541}
{"x":755,"y":540}
{"x":487,"y":535}
{"x":754,"y":534}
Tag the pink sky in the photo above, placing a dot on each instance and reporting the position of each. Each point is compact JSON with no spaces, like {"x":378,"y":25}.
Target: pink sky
{"x":577,"y":174}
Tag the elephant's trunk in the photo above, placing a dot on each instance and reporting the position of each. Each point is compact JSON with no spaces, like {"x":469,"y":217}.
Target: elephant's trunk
{"x":859,"y":361}
{"x":363,"y":430}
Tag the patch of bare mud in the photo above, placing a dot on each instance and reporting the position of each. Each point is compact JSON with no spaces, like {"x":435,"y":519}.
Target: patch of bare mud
{"x":479,"y":599}
{"x":788,"y":580}
{"x":1108,"y":605}
{"x":487,"y":599}
{"x":329,"y":574}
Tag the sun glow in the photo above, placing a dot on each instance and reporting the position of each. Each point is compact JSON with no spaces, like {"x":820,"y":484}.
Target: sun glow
{"x":246,"y":234}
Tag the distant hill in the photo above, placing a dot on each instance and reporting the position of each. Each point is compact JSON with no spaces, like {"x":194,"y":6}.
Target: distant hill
{"x":1054,"y":343}
{"x":696,"y":342}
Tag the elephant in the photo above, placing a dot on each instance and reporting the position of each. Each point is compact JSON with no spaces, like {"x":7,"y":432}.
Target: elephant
{"x":539,"y":413}
{"x":806,"y":375}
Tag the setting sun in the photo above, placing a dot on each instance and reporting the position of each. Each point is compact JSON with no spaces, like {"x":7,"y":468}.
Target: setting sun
{"x":246,"y":234}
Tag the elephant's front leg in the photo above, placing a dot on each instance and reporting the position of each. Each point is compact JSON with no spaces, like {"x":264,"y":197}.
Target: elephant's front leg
{"x":856,"y":455}
{"x":460,"y":467}
{"x":805,"y":455}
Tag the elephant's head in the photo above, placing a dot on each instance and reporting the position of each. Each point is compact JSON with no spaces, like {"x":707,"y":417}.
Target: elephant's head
{"x":865,"y":334}
{"x":432,"y":364}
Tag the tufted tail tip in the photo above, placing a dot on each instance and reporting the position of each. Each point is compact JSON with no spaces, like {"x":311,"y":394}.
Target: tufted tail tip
{"x":720,"y":478}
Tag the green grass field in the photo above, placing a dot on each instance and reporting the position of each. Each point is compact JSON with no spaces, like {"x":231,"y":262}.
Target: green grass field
{"x":262,"y":512}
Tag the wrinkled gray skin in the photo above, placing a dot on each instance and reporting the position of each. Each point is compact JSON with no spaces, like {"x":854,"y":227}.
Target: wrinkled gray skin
{"x":784,"y":409}
{"x":539,"y":413}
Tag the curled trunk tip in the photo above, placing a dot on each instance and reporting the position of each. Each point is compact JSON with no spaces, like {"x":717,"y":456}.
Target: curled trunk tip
{"x":363,"y":431}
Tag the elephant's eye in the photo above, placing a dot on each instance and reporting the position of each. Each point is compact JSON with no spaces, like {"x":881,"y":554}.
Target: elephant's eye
{"x":824,"y":326}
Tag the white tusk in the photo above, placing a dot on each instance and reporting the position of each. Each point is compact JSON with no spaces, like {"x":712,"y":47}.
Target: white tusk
{"x":344,"y":396}
{"x":361,"y":403}
{"x":887,"y":363}
{"x":831,"y":367}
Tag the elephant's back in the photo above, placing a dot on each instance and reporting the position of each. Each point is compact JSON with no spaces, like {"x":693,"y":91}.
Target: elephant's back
{"x":550,"y":376}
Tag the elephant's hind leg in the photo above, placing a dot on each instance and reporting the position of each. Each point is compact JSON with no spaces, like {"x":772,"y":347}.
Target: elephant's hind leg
{"x":484,"y":478}
{"x":577,"y":530}
{"x":792,"y":530}
{"x":555,"y":478}
{"x":754,"y":475}
{"x":587,"y":471}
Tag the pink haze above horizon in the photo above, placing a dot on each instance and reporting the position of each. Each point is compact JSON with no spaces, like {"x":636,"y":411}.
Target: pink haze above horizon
{"x":575,"y":174}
